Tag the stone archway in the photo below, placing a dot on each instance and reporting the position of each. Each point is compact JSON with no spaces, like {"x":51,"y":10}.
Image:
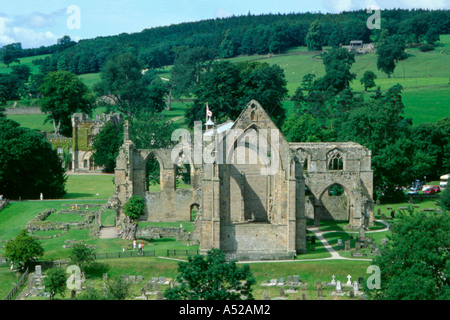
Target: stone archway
{"x":335,"y":203}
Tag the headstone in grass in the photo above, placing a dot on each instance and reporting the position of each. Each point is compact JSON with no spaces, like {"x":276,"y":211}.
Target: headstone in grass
{"x":266,"y":295}
{"x":296,"y":280}
{"x":38,"y":270}
{"x":282,"y":293}
{"x":347,"y":245}
{"x":159,"y":295}
{"x":357,"y":246}
{"x":362,"y":232}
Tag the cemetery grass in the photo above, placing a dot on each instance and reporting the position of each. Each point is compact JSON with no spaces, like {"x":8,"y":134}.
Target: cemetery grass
{"x":309,"y":272}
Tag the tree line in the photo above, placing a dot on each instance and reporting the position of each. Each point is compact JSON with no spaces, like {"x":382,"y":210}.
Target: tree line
{"x":237,"y":35}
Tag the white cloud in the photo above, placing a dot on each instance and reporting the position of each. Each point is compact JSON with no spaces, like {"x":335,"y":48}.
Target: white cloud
{"x":337,"y":6}
{"x":426,"y":4}
{"x":223,"y":13}
{"x":28,"y":37}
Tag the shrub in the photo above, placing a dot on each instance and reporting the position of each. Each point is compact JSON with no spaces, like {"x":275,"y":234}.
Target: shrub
{"x":134,"y":207}
{"x":426,"y":48}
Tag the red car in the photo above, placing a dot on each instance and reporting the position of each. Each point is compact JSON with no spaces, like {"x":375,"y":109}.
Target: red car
{"x":432,"y":190}
{"x":435,"y":189}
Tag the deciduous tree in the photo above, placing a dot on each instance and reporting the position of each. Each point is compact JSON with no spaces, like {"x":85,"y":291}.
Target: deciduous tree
{"x":212,"y":278}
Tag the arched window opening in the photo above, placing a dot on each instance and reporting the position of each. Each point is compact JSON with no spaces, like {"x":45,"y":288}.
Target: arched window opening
{"x":152,"y":175}
{"x":336,"y":162}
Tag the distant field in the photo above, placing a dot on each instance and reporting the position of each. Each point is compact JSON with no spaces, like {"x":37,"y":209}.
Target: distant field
{"x":424,"y":76}
{"x":28,"y":61}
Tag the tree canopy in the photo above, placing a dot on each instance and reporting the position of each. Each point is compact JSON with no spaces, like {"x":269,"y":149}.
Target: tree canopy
{"x":62,"y":95}
{"x":28,"y":164}
{"x":414,"y":264}
{"x":211,"y":277}
{"x":23,"y":249}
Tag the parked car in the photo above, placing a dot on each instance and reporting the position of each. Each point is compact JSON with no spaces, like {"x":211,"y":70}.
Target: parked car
{"x":436,"y":189}
{"x":413,"y":191}
{"x":428,"y":191}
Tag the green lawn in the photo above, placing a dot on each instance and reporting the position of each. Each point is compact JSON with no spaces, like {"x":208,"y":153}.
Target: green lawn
{"x":33,"y":121}
{"x":89,"y":186}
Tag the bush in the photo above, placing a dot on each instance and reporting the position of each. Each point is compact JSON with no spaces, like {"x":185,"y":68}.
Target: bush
{"x":134,"y":207}
{"x":444,"y":199}
{"x":426,"y":48}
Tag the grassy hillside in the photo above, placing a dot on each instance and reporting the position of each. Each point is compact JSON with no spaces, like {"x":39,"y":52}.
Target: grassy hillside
{"x":423,"y":75}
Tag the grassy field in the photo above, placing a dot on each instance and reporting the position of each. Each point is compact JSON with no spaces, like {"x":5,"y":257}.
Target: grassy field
{"x":27,"y":61}
{"x":93,"y":187}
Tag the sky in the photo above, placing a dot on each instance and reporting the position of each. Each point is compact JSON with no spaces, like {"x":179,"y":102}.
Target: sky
{"x":40,"y":23}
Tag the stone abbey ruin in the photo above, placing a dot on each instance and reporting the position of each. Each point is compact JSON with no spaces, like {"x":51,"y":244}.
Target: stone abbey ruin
{"x":247,"y":206}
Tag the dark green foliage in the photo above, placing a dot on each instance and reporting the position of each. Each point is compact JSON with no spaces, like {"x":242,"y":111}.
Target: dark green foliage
{"x":414,"y":265}
{"x":82,"y":255}
{"x":426,"y":47}
{"x":390,"y":50}
{"x":444,"y":199}
{"x":228,"y":88}
{"x":338,"y":63}
{"x":128,"y":90}
{"x":368,"y":80}
{"x":314,"y":38}
{"x":134,"y":207}
{"x":305,"y":128}
{"x":212,"y":278}
{"x":22,"y":250}
{"x":62,"y":95}
{"x":11,"y":53}
{"x":28,"y":164}
{"x":106,"y":145}
{"x":55,"y":282}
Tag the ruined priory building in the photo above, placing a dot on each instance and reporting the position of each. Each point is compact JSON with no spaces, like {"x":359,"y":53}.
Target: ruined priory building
{"x":253,"y":191}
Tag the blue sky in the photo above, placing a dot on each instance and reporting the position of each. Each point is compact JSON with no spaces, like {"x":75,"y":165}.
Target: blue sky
{"x":35,"y":23}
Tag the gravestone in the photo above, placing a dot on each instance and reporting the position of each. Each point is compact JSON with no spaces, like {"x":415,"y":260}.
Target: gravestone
{"x":159,"y":295}
{"x":288,"y":280}
{"x":338,"y":286}
{"x":355,"y":287}
{"x":320,"y":293}
{"x":378,"y":202}
{"x":347,"y":245}
{"x":296,"y":279}
{"x":303,"y":296}
{"x":333,"y":281}
{"x":266,"y":295}
{"x":362,"y":232}
{"x":352,"y":294}
{"x":357,"y":246}
{"x":349,"y":282}
{"x":38,"y":270}
{"x":339,"y":243}
{"x":282,"y":293}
